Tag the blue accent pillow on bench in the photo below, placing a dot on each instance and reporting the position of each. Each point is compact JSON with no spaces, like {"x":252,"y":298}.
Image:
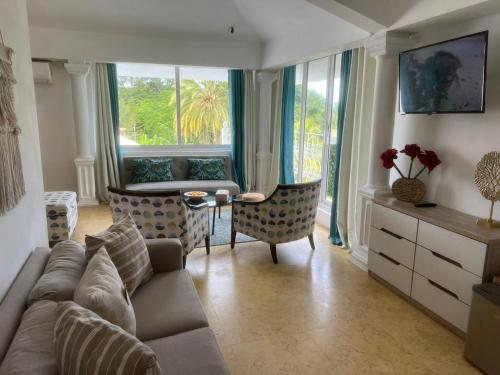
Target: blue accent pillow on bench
{"x":152,"y":170}
{"x":207,"y":169}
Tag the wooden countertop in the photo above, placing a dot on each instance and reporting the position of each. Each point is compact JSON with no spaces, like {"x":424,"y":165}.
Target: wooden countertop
{"x":447,"y":218}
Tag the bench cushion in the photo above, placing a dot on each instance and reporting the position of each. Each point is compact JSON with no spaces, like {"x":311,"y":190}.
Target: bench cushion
{"x":166,"y":305}
{"x":190,"y":353}
{"x":186,"y":185}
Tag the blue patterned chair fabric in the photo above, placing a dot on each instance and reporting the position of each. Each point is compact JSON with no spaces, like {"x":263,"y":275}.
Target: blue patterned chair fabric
{"x":163,"y":214}
{"x":288,"y":214}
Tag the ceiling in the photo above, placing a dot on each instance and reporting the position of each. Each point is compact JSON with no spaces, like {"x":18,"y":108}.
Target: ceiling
{"x":258,"y":20}
{"x":281,"y":31}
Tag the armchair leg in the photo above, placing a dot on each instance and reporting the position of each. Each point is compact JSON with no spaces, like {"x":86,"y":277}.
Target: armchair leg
{"x":184,"y":258}
{"x":207,"y":244}
{"x":233,"y":238}
{"x":273,"y":253}
{"x":311,"y":241}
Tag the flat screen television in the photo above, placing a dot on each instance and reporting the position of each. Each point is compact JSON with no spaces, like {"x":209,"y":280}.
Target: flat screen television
{"x":446,"y":77}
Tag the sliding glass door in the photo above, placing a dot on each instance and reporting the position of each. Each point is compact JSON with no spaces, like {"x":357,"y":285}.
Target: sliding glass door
{"x":315,"y":128}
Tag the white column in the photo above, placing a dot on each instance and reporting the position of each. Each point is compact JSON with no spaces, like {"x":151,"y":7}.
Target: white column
{"x":85,"y":161}
{"x":385,"y":49}
{"x":266,"y":80}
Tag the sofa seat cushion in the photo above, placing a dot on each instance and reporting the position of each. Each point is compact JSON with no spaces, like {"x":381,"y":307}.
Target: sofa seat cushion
{"x":32,"y":350}
{"x":189,"y":353}
{"x":185,"y":185}
{"x":167,"y":304}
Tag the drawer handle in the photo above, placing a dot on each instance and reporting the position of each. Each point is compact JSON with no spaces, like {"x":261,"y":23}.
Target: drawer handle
{"x":391,"y":233}
{"x":442,"y":288}
{"x":446,"y":259}
{"x":389,"y":259}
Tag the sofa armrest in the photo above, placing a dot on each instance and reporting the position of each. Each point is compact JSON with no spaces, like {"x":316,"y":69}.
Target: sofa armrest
{"x":165,"y":254}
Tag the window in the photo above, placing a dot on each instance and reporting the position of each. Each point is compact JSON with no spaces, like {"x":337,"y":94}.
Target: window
{"x":315,"y":128}
{"x":169,"y":105}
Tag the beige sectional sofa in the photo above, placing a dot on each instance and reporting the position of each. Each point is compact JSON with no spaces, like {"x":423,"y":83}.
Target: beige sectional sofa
{"x":169,"y":317}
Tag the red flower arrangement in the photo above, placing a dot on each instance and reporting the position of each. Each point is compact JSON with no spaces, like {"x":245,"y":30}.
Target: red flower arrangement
{"x":428,"y":158}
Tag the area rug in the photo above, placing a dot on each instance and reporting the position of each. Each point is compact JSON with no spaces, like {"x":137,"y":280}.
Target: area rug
{"x":222,"y":234}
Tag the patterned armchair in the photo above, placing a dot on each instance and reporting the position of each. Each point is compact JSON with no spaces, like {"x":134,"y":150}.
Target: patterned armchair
{"x":288,"y":214}
{"x":163,"y":214}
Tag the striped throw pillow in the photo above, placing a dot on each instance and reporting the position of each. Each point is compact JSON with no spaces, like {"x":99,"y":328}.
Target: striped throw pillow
{"x":127,"y":249}
{"x":87,"y":344}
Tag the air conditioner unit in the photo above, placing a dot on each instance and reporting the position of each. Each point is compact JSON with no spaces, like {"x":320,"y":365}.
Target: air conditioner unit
{"x":42,"y":72}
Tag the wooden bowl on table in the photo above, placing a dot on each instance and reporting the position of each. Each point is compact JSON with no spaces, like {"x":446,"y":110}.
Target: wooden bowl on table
{"x":195,"y":196}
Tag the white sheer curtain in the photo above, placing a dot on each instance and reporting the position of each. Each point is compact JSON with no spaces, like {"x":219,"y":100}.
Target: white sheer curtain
{"x":107,"y":164}
{"x":251,"y":130}
{"x":277,"y":99}
{"x":355,"y":145}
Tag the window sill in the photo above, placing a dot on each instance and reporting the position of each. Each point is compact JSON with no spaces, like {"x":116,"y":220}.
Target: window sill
{"x":202,"y":150}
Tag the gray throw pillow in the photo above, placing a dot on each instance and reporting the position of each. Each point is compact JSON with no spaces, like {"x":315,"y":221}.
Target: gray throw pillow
{"x":32,"y":349}
{"x":62,"y":273}
{"x":101,"y":290}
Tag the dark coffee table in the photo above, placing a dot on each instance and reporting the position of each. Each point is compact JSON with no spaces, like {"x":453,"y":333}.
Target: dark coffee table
{"x":213,"y":203}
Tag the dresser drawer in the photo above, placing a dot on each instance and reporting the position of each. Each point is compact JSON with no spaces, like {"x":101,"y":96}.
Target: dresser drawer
{"x":397,"y":248}
{"x":440,"y":302}
{"x":394,"y":273}
{"x":470,"y":254}
{"x":395,"y":222}
{"x":455,"y":279}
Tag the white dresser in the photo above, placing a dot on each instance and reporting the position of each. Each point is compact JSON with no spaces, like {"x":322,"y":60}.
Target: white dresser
{"x":432,"y":256}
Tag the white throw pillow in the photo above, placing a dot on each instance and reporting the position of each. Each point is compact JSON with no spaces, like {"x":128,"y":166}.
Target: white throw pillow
{"x":101,"y":290}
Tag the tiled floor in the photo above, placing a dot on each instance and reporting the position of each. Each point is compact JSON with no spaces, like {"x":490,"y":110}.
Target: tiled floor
{"x":313,"y":313}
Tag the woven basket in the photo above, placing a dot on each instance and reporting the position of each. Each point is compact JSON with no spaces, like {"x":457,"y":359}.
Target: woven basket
{"x":408,"y":189}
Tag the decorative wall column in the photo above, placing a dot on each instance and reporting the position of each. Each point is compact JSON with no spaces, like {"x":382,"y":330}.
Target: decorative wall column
{"x":385,"y":49}
{"x":85,"y":161}
{"x":266,"y":80}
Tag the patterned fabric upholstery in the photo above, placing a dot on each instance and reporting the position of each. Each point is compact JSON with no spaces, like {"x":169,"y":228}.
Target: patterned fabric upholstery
{"x":152,"y":170}
{"x":207,"y":169}
{"x":162,"y":216}
{"x":62,"y":214}
{"x":287,"y":215}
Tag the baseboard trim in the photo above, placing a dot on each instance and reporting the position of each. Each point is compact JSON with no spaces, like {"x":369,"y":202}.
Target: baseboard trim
{"x":88,"y":203}
{"x":359,"y":257}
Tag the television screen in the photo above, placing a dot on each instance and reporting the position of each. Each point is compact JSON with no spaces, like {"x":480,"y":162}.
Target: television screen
{"x":446,"y":77}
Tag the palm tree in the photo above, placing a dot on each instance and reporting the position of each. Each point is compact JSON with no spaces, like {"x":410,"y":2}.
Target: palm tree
{"x":204,"y":110}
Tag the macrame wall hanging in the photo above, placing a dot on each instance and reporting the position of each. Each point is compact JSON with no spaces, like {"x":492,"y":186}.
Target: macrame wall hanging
{"x":11,"y":174}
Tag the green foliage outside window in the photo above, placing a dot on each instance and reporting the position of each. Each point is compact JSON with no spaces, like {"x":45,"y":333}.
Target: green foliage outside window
{"x":148,"y":111}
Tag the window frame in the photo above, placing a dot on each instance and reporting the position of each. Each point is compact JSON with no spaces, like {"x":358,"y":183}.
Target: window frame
{"x":180,"y":148}
{"x":324,"y":201}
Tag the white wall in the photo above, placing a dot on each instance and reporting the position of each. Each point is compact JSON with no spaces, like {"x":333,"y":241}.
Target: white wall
{"x":459,"y":139}
{"x":107,"y":47}
{"x":23,"y":228}
{"x":57,"y":130}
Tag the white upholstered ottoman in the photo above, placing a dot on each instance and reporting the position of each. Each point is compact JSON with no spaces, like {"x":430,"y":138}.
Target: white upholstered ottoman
{"x":62,"y":214}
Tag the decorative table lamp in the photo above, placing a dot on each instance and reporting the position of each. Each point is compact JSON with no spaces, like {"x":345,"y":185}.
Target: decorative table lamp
{"x":487,"y":179}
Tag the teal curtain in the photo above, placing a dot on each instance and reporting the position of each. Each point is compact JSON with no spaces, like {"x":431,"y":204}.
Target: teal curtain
{"x":115,"y":111}
{"x":287,"y":119}
{"x":345,"y":70}
{"x":236,"y":116}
